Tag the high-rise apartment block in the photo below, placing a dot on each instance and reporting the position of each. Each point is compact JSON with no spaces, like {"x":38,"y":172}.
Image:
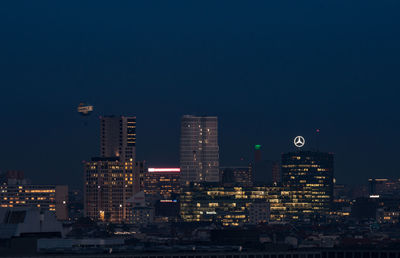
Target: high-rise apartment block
{"x":199,"y":151}
{"x":311,"y":171}
{"x":112,"y":179}
{"x":118,"y":137}
{"x":109,"y":183}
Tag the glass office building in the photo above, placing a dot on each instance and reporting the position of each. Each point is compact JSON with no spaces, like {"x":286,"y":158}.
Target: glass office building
{"x":311,"y":171}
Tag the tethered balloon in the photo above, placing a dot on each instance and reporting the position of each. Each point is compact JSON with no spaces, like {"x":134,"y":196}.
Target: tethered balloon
{"x":85,"y":109}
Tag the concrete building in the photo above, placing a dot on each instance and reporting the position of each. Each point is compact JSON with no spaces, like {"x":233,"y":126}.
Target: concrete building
{"x":109,"y":183}
{"x":199,"y":151}
{"x":118,"y":137}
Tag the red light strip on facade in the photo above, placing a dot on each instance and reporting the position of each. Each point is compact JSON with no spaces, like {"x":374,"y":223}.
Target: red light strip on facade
{"x":164,"y":170}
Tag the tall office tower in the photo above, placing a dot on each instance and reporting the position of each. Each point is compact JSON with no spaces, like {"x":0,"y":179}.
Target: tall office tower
{"x":310,"y":171}
{"x":108,"y":186}
{"x":118,"y":137}
{"x":199,"y":151}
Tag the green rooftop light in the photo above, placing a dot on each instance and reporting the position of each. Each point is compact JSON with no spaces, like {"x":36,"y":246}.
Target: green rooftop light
{"x":257,"y":146}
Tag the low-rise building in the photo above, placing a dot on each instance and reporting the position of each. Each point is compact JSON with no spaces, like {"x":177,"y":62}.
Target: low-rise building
{"x":15,"y":192}
{"x":231,"y":205}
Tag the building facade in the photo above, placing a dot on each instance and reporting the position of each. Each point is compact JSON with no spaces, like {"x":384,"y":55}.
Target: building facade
{"x":199,"y":150}
{"x":237,"y":175}
{"x":109,"y":183}
{"x":118,"y":137}
{"x":236,"y":205}
{"x":163,"y":182}
{"x":311,"y":171}
{"x":259,"y":212}
{"x":45,"y":197}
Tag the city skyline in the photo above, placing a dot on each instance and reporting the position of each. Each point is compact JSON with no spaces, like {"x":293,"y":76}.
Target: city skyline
{"x":313,"y":142}
{"x":269,"y":71}
{"x":195,"y":129}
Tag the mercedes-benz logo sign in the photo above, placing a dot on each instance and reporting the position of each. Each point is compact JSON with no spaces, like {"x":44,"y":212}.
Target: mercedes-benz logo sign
{"x":299,"y":141}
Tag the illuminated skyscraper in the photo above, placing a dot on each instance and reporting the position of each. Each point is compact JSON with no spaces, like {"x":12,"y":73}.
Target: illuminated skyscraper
{"x":199,"y":151}
{"x":118,"y":137}
{"x":112,"y":179}
{"x":311,"y":171}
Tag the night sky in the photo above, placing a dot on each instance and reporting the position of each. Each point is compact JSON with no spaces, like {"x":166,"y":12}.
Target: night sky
{"x":270,"y":70}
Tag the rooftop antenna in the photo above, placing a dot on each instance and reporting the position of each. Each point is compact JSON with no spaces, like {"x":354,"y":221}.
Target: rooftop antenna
{"x":317,"y":138}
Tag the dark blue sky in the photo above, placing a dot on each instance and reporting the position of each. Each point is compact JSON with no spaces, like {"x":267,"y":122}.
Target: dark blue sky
{"x":270,"y":70}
